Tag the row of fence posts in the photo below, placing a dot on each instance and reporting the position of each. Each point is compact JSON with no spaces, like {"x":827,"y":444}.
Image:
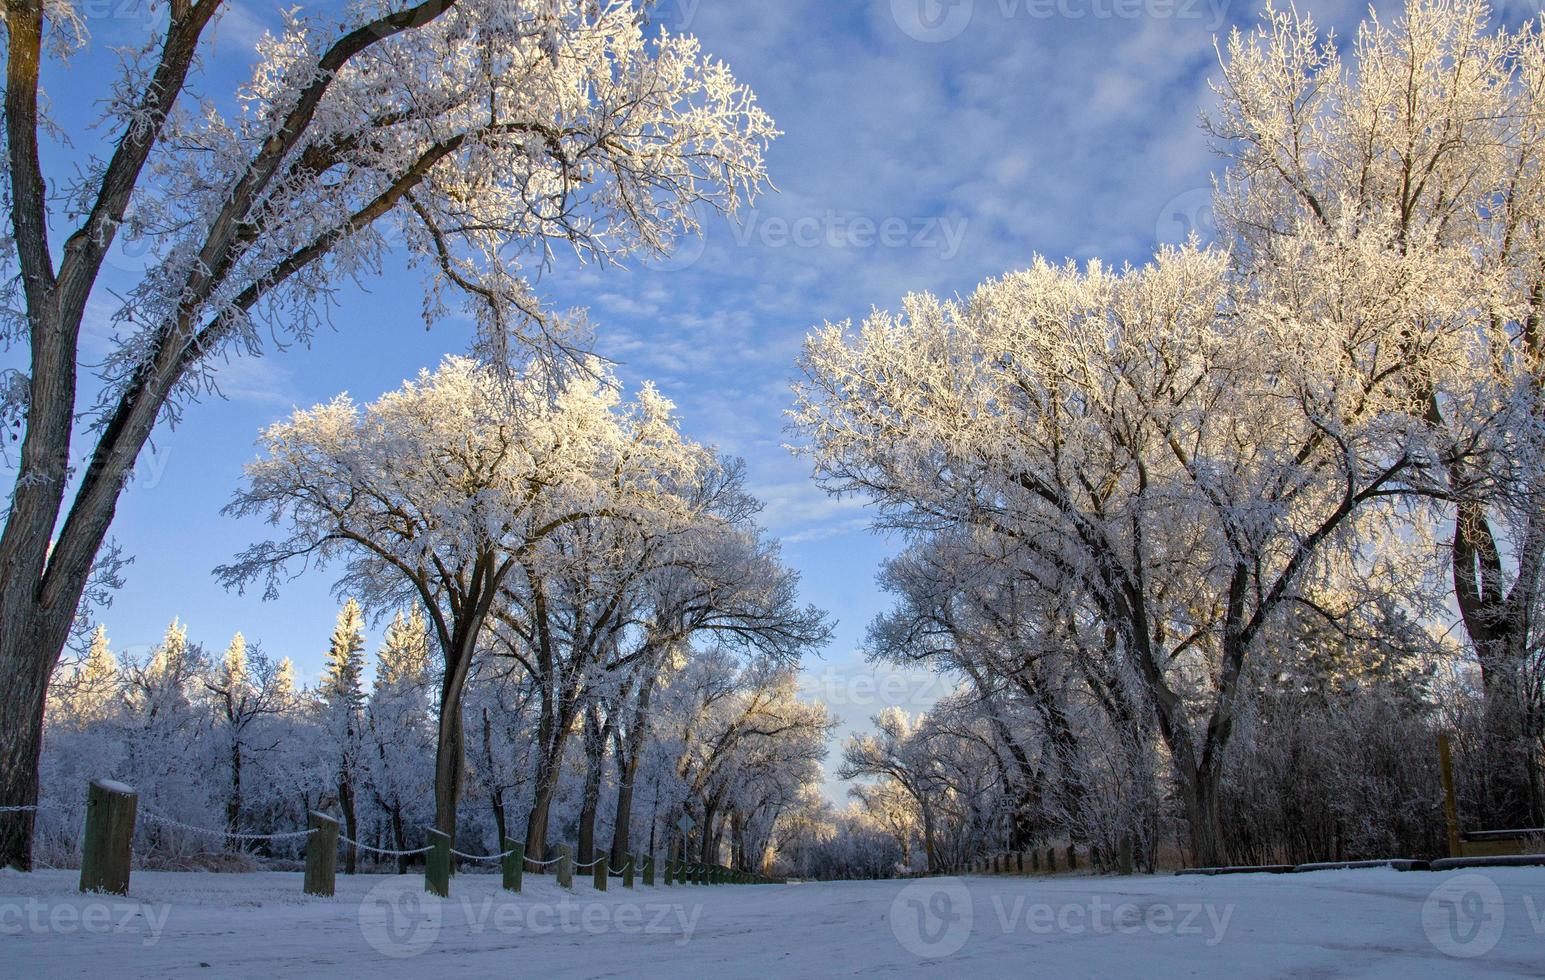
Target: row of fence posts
{"x":1035,"y":861}
{"x":111,"y":809}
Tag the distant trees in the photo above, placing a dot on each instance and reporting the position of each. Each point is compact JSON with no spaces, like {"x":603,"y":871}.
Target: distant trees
{"x":234,"y":745}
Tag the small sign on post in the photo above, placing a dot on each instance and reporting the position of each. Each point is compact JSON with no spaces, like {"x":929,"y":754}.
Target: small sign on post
{"x":437,"y":865}
{"x":321,"y":855}
{"x":514,"y":863}
{"x":105,"y":853}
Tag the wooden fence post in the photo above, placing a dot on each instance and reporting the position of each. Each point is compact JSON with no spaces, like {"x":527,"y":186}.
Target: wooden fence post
{"x":321,"y":855}
{"x":627,"y":871}
{"x":1124,"y":859}
{"x":670,"y":871}
{"x":437,"y":864}
{"x":1072,"y":857}
{"x":1450,"y":804}
{"x":514,"y":864}
{"x":565,"y":866}
{"x":1051,"y":860}
{"x":600,"y":873}
{"x":1035,"y":862}
{"x":648,"y":870}
{"x":106,"y":851}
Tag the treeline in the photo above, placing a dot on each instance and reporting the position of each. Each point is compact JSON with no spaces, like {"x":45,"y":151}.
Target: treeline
{"x":229,"y":741}
{"x":1214,"y":547}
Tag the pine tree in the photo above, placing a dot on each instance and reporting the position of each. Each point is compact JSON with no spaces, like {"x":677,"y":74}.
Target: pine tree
{"x":89,"y":693}
{"x":343,"y":682}
{"x":162,"y":684}
{"x":403,"y":660}
{"x":343,"y":702}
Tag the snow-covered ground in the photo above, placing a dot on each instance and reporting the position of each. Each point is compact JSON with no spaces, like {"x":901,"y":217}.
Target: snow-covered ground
{"x":1369,"y":923}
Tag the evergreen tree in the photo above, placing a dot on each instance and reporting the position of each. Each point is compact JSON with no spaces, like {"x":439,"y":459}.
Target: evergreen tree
{"x":343,"y":702}
{"x":89,"y":693}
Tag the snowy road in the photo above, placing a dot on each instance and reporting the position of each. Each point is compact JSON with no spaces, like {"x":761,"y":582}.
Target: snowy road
{"x":1371,"y":923}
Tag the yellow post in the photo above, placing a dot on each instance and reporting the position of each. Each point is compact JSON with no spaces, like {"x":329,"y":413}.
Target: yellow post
{"x":1450,"y":804}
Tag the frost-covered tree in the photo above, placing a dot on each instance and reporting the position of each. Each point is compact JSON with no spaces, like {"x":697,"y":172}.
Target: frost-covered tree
{"x":443,"y":491}
{"x":479,"y":133}
{"x":90,"y":692}
{"x":1418,"y":149}
{"x":398,"y":753}
{"x":341,"y":704}
{"x":1130,"y":430}
{"x":245,"y":689}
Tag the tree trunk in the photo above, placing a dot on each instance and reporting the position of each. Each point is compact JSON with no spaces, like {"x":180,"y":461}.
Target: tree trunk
{"x":30,"y":641}
{"x":628,"y":770}
{"x":595,"y":758}
{"x":350,"y":822}
{"x":1204,"y":821}
{"x":399,"y":839}
{"x":448,"y":765}
{"x":233,"y":802}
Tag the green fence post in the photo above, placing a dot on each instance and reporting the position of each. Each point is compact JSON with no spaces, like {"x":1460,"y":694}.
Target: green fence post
{"x":600,"y":873}
{"x":627,"y":871}
{"x":321,"y":855}
{"x":514,"y":863}
{"x":106,"y":851}
{"x":648,"y":870}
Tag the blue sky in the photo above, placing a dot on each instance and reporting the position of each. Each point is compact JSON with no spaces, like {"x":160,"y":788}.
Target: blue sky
{"x":927,"y":145}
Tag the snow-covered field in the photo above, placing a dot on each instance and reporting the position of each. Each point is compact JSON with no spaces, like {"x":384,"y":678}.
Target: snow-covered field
{"x":1370,"y":923}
